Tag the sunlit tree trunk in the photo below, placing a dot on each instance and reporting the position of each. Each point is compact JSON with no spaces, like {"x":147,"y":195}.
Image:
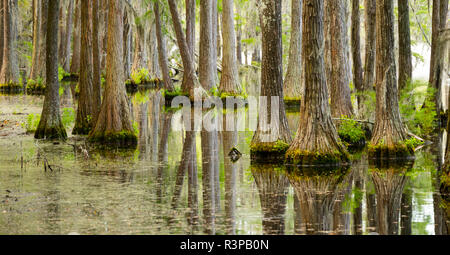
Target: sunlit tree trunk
{"x":389,"y":132}
{"x":356,"y":54}
{"x":76,"y":45}
{"x":265,"y":137}
{"x":162,"y":54}
{"x":86,"y":111}
{"x":50,"y":125}
{"x":369,"y":59}
{"x":317,"y":141}
{"x":140,"y":55}
{"x":66,"y":41}
{"x":229,"y":81}
{"x":10,"y":66}
{"x":293,"y":79}
{"x":36,"y":33}
{"x":341,"y":104}
{"x":205,"y":67}
{"x":190,"y":80}
{"x":404,"y":45}
{"x":439,"y":18}
{"x":114,"y":122}
{"x":127,"y":38}
{"x":97,"y":82}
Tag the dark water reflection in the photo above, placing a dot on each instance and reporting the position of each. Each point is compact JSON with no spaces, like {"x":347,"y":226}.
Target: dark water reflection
{"x":180,"y":182}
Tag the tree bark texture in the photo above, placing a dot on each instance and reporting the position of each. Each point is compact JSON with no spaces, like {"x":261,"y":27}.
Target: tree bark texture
{"x":86,"y":111}
{"x":205,"y":67}
{"x":356,"y":53}
{"x":317,"y":141}
{"x":229,"y":81}
{"x":162,"y":54}
{"x":404,"y":45}
{"x":50,"y":125}
{"x":389,"y":132}
{"x":10,"y":67}
{"x":114,"y":121}
{"x":66,"y":40}
{"x":340,"y":76}
{"x":271,"y":77}
{"x":293,"y":80}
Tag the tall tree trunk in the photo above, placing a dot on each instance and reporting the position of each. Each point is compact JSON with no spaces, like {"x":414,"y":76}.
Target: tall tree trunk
{"x":162,"y":54}
{"x":293,"y":79}
{"x":268,"y":136}
{"x":206,"y":71}
{"x":153,"y":62}
{"x":66,"y":41}
{"x":127,"y":38}
{"x":238,"y":38}
{"x":341,"y":103}
{"x":215,"y":32}
{"x":10,"y":66}
{"x":86,"y":111}
{"x":139,"y":49}
{"x":404,"y":45}
{"x":97,"y":80}
{"x":36,"y":33}
{"x":42,"y":41}
{"x":440,"y":9}
{"x":317,"y":141}
{"x":190,"y":80}
{"x":50,"y":125}
{"x":114,"y":121}
{"x":356,"y":54}
{"x":389,"y":133}
{"x":75,"y":64}
{"x":229,"y":81}
{"x":369,"y":59}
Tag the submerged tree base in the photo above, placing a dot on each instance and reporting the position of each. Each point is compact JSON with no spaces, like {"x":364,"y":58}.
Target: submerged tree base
{"x":268,"y":152}
{"x":11,"y":87}
{"x":51,"y":133}
{"x":308,"y":158}
{"x":399,"y":151}
{"x":123,"y":139}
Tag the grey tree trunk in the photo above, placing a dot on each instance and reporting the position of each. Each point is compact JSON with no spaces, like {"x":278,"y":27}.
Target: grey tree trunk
{"x":50,"y":125}
{"x":36,"y":33}
{"x":66,"y":40}
{"x":229,"y":81}
{"x":293,"y":80}
{"x":207,"y":41}
{"x":162,"y":54}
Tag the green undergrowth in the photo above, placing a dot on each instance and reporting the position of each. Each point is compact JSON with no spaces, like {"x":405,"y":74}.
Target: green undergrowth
{"x":401,"y":150}
{"x":351,"y":132}
{"x":32,"y":121}
{"x":11,"y":87}
{"x":417,"y":107}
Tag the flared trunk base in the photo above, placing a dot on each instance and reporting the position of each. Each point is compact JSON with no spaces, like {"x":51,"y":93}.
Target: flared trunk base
{"x":123,"y":139}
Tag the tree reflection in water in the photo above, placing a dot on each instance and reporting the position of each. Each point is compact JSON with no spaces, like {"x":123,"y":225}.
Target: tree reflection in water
{"x":273,"y":187}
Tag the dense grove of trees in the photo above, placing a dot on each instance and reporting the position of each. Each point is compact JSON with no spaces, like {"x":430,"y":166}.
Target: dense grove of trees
{"x":328,"y":57}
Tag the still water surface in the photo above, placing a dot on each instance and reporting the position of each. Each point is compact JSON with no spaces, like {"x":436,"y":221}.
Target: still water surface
{"x":185,"y":183}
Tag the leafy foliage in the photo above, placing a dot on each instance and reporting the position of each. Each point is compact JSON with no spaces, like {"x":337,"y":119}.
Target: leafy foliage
{"x":350,"y":131}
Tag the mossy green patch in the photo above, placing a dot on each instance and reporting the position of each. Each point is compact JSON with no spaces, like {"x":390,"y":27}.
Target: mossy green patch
{"x":11,"y":87}
{"x":309,"y":158}
{"x":35,"y":87}
{"x":122,"y":139}
{"x":267,"y":152}
{"x":404,"y":149}
{"x":352,"y":133}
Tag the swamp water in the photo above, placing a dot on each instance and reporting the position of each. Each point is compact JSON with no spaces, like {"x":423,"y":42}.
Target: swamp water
{"x":147,"y":192}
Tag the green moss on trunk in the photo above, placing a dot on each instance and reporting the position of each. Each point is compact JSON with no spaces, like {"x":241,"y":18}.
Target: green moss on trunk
{"x":123,"y":139}
{"x":398,"y":151}
{"x":308,"y":158}
{"x":268,"y":152}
